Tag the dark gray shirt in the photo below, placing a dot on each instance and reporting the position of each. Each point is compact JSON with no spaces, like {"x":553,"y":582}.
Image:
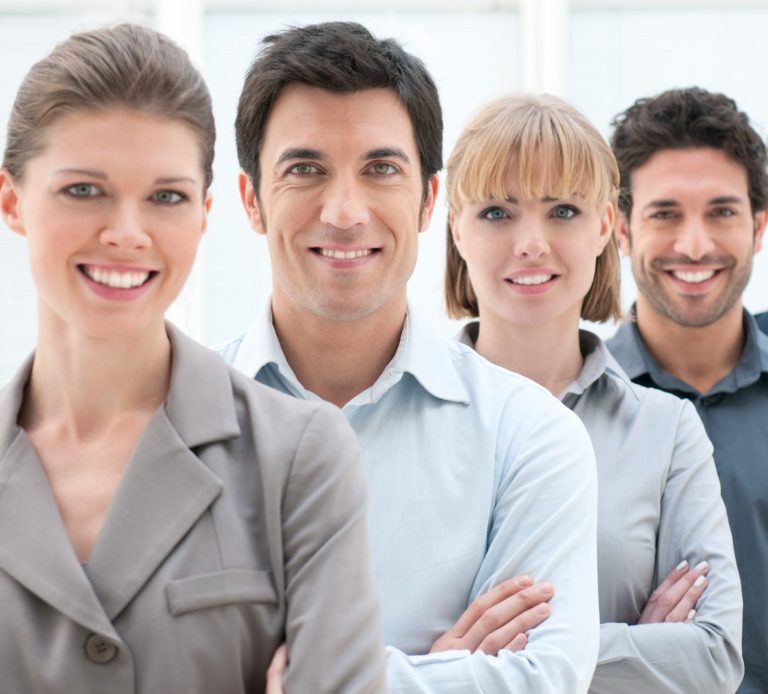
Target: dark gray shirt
{"x":735,"y":415}
{"x":762,"y":321}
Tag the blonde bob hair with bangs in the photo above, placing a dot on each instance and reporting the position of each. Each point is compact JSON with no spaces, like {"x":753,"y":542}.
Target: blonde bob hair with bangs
{"x":553,"y":151}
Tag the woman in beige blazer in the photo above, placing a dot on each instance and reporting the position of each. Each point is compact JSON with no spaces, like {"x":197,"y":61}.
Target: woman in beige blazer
{"x":165,"y":523}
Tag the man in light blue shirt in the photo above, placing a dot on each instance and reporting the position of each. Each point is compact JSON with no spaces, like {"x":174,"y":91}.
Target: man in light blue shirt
{"x":480,"y":482}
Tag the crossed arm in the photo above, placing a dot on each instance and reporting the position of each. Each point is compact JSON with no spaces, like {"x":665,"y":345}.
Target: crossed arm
{"x":670,"y":649}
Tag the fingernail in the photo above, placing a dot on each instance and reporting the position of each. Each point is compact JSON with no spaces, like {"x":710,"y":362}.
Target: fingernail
{"x":699,"y":582}
{"x":691,"y":614}
{"x":681,"y":565}
{"x":524,"y":580}
{"x":701,"y":566}
{"x":546,"y":588}
{"x":541,"y":608}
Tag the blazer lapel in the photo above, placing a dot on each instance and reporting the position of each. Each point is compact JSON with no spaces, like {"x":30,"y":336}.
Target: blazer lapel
{"x":164,"y":491}
{"x":34,"y":547}
{"x":166,"y":487}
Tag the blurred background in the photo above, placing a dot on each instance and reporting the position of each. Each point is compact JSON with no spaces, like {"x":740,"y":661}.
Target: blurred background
{"x":599,"y":54}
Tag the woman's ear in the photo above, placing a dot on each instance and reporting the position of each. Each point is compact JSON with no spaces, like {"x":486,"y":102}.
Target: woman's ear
{"x":453,"y":226}
{"x":607,"y":223}
{"x":9,"y":203}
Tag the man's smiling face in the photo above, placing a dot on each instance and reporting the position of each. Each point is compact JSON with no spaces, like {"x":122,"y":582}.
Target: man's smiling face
{"x":691,"y":234}
{"x":340,"y":201}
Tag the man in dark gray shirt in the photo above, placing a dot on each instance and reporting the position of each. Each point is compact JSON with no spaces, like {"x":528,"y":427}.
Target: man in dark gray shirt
{"x":693,"y":212}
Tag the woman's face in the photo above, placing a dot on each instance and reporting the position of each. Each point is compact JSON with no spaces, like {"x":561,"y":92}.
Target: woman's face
{"x":113,"y":210}
{"x":531,"y":261}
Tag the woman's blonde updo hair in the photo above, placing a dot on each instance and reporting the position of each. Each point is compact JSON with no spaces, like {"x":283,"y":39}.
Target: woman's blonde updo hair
{"x":553,"y":151}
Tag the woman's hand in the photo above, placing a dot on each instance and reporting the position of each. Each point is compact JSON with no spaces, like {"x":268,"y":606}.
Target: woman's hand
{"x":675,"y":599}
{"x":499,"y":619}
{"x":276,"y":671}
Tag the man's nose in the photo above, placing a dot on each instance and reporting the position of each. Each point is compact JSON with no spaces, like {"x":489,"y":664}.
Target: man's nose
{"x":345,"y":203}
{"x":693,"y":239}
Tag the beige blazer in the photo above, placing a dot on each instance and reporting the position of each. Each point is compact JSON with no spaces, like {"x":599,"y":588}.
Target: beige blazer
{"x":239,"y":523}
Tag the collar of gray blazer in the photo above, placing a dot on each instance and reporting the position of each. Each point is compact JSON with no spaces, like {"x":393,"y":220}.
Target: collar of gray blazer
{"x":164,"y":490}
{"x":195,"y":378}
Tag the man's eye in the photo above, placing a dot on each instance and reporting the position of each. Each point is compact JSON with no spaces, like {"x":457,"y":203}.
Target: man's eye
{"x":663,"y":215}
{"x":383,"y":169}
{"x":303,"y":169}
{"x":168,"y":197}
{"x":723,"y":212}
{"x":494,"y":214}
{"x":564,"y":212}
{"x":82,"y":190}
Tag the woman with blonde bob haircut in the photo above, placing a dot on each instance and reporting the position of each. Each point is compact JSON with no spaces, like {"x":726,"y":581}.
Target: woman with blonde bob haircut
{"x":532,"y":191}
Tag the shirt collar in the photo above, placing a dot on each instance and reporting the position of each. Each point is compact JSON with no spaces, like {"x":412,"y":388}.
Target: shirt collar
{"x":597,"y":359}
{"x":637,"y":360}
{"x":260,"y":348}
{"x":598,"y":362}
{"x":427,"y":357}
{"x":421,"y":352}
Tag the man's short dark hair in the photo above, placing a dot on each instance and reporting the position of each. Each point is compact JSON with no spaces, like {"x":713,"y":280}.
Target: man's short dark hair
{"x":342,"y":58}
{"x":685,"y":119}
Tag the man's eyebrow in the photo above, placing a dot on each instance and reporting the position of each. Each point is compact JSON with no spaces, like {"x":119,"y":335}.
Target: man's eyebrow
{"x":661,"y":204}
{"x":384,"y":153}
{"x":300,"y":153}
{"x":91,"y":173}
{"x":727,"y":200}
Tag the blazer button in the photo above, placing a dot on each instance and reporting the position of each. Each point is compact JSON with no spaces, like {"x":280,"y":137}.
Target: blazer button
{"x":99,"y":650}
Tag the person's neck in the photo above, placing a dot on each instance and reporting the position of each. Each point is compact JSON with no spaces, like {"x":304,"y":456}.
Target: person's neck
{"x":84,"y":386}
{"x":700,"y":357}
{"x":338,"y":360}
{"x":548,"y":354}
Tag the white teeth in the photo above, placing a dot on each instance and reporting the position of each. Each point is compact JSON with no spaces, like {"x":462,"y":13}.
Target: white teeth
{"x":693,"y":277}
{"x":114,"y":279}
{"x":344,"y":255}
{"x":532,"y":279}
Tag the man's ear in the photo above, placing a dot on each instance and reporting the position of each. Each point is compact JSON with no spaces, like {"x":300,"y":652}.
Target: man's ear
{"x":761,"y":218}
{"x":9,"y":203}
{"x":429,"y":203}
{"x":622,"y":232}
{"x":250,"y":202}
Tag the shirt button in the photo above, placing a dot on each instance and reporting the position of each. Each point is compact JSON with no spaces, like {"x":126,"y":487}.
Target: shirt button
{"x":99,"y":650}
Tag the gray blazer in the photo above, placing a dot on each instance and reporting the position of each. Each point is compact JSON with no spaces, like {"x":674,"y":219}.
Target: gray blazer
{"x":239,"y":523}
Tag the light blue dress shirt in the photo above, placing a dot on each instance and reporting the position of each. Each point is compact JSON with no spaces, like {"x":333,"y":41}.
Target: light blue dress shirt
{"x":475,"y":475}
{"x":658,"y":503}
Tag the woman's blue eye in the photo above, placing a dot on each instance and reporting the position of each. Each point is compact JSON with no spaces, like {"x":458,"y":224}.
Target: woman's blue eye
{"x":168,"y":197}
{"x":564,"y":212}
{"x":83,"y":190}
{"x":494,"y":214}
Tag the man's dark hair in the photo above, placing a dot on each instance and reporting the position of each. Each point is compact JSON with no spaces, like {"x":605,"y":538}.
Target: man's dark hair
{"x":342,"y":58}
{"x":684,"y":119}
